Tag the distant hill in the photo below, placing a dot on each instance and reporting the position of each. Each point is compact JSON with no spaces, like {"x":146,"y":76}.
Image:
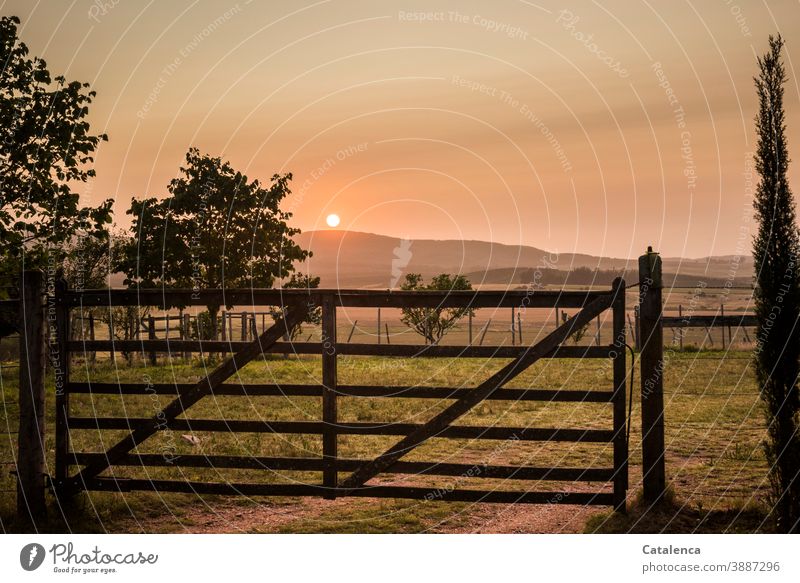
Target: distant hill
{"x":356,"y":259}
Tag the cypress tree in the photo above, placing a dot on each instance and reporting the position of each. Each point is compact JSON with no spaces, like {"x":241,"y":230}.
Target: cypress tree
{"x":777,"y":292}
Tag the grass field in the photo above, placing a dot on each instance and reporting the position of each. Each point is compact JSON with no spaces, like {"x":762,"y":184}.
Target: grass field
{"x":714,"y":430}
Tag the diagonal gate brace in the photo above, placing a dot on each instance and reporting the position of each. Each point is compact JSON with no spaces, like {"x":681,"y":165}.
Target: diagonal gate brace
{"x":441,"y":421}
{"x":293,"y":314}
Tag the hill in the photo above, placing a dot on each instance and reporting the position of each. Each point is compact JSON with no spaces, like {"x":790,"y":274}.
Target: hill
{"x":356,"y":259}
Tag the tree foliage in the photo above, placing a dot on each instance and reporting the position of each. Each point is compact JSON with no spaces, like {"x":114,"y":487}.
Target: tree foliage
{"x":46,"y":148}
{"x":215,"y":229}
{"x":433,"y":323}
{"x":777,"y":292}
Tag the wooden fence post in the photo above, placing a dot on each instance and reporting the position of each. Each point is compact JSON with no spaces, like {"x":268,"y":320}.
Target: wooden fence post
{"x":329,"y":381}
{"x":93,"y":353}
{"x":128,"y":335}
{"x":483,"y":333}
{"x":111,"y":354}
{"x":31,"y":436}
{"x":187,"y":333}
{"x":652,"y":375}
{"x":151,"y":335}
{"x":223,"y":331}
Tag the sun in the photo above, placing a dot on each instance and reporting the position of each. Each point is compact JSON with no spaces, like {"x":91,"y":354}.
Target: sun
{"x":332,"y":220}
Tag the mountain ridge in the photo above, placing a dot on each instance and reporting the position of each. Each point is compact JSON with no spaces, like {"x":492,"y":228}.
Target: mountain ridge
{"x":345,"y":258}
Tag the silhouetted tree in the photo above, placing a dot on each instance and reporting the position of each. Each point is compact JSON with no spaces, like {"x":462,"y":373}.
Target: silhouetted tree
{"x":777,"y":292}
{"x":46,"y":148}
{"x":215,"y":229}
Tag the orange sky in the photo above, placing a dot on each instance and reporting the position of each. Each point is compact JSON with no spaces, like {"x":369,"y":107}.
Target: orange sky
{"x":572,"y":126}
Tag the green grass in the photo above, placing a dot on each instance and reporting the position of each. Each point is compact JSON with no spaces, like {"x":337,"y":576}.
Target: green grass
{"x":714,"y":430}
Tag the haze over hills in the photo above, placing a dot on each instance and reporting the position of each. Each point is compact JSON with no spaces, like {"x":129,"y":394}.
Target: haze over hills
{"x":355,"y":259}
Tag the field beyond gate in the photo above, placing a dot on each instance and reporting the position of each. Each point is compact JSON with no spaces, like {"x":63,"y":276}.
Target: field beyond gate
{"x":149,"y":417}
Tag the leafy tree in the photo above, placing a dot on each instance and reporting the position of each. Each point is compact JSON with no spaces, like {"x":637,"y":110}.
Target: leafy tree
{"x":215,"y":229}
{"x":46,"y":148}
{"x":777,"y":292}
{"x":433,"y":323}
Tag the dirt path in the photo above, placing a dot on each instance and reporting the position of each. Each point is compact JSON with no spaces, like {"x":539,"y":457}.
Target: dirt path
{"x":527,"y":519}
{"x":268,"y":517}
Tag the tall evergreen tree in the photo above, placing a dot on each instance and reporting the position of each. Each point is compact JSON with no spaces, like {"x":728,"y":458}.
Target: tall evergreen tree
{"x":777,"y":292}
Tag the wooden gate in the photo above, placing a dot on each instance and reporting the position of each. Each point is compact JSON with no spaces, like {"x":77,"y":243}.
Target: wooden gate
{"x":341,"y":476}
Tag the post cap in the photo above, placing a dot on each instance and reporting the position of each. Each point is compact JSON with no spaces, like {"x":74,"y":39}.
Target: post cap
{"x":650,"y":268}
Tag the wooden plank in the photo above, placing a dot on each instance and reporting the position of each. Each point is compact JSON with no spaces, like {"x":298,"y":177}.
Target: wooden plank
{"x":481,"y":471}
{"x":708,"y":321}
{"x":441,"y":421}
{"x":354,"y":428}
{"x":405,"y":392}
{"x":168,"y":298}
{"x":394,"y":350}
{"x":293,"y":315}
{"x":329,"y":382}
{"x":245,"y":489}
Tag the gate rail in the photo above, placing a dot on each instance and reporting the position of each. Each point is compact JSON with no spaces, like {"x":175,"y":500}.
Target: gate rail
{"x":330,"y":464}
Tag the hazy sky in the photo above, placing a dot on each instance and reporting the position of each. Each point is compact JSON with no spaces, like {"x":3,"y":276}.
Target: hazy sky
{"x":572,"y":126}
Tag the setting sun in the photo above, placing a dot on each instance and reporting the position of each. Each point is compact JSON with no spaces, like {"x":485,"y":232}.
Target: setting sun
{"x":332,"y":220}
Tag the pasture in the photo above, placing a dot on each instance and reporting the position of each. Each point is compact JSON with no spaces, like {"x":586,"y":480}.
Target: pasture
{"x":714,"y":430}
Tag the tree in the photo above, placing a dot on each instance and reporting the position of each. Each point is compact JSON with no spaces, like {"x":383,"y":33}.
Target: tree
{"x":433,"y":323}
{"x":215,"y":229}
{"x":777,"y":291}
{"x":46,"y":148}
